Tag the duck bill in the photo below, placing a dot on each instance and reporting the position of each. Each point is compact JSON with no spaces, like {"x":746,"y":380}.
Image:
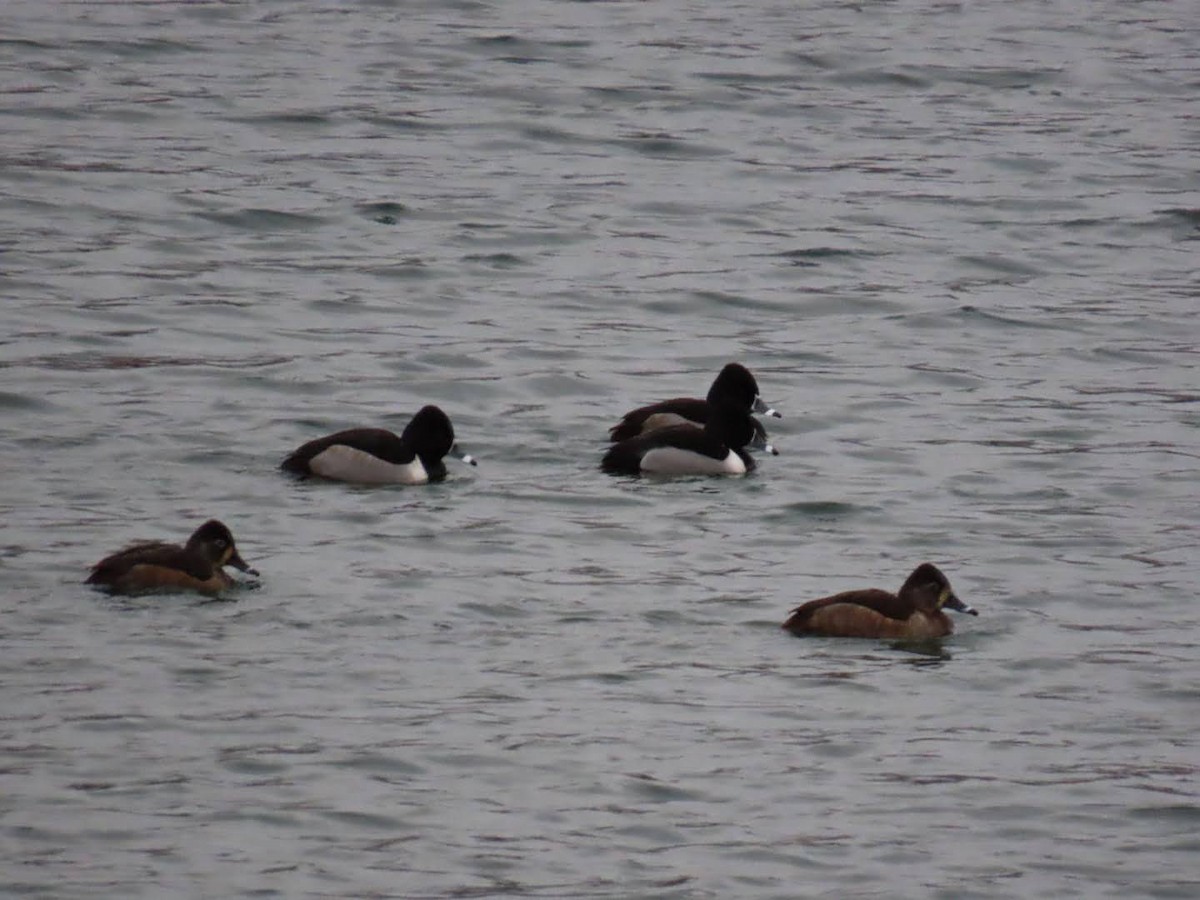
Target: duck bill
{"x":952,"y":602}
{"x":760,"y":441}
{"x":465,"y":457}
{"x":760,"y":407}
{"x":238,"y":563}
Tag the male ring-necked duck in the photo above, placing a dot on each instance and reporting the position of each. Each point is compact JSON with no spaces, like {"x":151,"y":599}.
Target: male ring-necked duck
{"x":715,"y":449}
{"x":734,"y":386}
{"x":377,"y":456}
{"x":159,"y":566}
{"x":915,"y":613}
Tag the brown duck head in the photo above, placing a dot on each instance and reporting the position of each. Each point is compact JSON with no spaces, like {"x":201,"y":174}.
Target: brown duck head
{"x":929,"y":590}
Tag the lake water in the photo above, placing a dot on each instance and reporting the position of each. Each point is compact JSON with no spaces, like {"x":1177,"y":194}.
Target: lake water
{"x":958,"y":245}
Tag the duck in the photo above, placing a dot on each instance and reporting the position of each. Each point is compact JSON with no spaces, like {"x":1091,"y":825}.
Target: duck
{"x":149,"y":566}
{"x":378,"y":456}
{"x":733,"y":385}
{"x":717,"y":448}
{"x":914,"y":613}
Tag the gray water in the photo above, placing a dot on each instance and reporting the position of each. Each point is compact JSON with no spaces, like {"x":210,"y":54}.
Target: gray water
{"x":957,"y":243}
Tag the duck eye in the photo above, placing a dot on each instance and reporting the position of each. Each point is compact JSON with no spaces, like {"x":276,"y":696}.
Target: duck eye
{"x":220,"y":543}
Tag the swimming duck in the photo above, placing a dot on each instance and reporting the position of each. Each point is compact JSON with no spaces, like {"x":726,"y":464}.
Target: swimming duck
{"x":715,"y":449}
{"x":915,"y":613}
{"x":734,"y":385}
{"x":377,"y":456}
{"x":159,"y":566}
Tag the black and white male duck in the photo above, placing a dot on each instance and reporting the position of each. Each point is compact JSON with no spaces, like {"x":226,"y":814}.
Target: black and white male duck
{"x":733,"y":386}
{"x":151,"y":566}
{"x":718,"y":448}
{"x":377,"y":456}
{"x":915,"y":613}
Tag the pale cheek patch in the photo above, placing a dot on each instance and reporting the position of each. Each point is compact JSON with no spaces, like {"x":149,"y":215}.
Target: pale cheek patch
{"x":342,"y":463}
{"x":673,"y":461}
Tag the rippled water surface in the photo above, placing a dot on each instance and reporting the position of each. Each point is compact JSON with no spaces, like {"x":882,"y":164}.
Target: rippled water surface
{"x":957,"y":243}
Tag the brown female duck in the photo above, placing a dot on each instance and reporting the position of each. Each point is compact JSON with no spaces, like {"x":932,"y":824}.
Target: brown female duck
{"x":158,"y":566}
{"x":915,"y":613}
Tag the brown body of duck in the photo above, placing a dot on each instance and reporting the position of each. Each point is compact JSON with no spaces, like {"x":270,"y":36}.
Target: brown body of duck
{"x":916,"y":612}
{"x":159,"y":566}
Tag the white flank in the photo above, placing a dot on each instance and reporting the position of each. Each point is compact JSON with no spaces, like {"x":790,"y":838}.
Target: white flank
{"x":342,"y":463}
{"x":674,"y":461}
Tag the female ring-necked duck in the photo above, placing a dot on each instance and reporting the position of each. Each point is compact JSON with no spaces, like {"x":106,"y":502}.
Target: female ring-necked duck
{"x":377,"y":456}
{"x":734,"y":386}
{"x":915,"y":613}
{"x":159,"y":566}
{"x":715,"y":449}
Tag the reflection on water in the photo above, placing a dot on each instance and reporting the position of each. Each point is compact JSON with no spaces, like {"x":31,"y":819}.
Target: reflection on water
{"x":931,"y":653}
